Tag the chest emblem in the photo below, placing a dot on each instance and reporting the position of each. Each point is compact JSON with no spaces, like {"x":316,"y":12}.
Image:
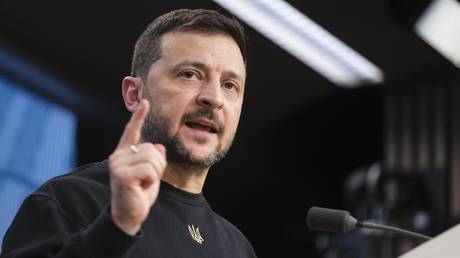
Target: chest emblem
{"x":195,"y":233}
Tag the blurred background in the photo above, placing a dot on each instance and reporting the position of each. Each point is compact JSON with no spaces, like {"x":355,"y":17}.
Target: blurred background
{"x":352,"y":106}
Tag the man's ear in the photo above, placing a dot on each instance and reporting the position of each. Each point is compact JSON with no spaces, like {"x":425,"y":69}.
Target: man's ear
{"x":132,"y":89}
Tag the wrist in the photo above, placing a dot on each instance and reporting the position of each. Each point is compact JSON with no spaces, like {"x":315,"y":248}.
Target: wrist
{"x":126,"y":226}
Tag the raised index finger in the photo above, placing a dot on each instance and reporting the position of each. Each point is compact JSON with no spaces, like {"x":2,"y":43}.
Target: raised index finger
{"x":132,"y":133}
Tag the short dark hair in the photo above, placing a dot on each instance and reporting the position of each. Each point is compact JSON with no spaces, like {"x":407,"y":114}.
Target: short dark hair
{"x":148,"y":47}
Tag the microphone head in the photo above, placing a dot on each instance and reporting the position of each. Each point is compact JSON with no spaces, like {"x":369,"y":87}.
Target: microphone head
{"x":329,"y":220}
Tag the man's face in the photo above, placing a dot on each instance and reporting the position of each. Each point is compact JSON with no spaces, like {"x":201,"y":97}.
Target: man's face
{"x":196,"y":92}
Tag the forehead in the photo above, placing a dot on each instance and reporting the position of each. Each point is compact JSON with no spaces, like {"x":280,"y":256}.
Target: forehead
{"x":217,"y":51}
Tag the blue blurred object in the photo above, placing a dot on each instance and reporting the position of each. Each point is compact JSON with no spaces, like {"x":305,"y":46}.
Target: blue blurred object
{"x":37,"y":143}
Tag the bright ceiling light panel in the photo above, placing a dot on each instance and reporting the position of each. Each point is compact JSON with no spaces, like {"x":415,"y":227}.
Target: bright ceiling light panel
{"x":439,"y":26}
{"x":307,"y":41}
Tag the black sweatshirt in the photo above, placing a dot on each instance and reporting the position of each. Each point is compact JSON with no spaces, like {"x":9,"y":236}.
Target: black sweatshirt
{"x":69,"y":216}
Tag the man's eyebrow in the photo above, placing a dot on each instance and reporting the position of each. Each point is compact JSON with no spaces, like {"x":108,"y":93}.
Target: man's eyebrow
{"x":234,"y":75}
{"x":198,"y":65}
{"x":203,"y":66}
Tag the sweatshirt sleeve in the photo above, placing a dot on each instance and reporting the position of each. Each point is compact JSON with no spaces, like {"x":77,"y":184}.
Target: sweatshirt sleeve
{"x":41,"y":229}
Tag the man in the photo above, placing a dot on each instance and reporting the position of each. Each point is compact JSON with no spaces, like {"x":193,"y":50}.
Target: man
{"x":185,"y":93}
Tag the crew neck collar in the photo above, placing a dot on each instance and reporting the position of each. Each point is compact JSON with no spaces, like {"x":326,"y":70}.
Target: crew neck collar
{"x":195,"y":199}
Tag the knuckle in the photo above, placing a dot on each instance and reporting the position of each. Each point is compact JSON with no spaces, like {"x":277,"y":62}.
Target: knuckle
{"x":147,"y":167}
{"x":148,"y":146}
{"x":145,"y":171}
{"x":124,"y":180}
{"x":150,"y":166}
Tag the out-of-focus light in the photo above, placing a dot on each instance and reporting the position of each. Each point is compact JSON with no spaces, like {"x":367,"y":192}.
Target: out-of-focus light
{"x":307,"y":41}
{"x":439,"y":26}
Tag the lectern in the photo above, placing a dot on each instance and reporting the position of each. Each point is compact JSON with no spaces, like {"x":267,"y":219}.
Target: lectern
{"x":445,"y":245}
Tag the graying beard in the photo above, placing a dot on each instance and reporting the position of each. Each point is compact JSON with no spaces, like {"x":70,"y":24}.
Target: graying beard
{"x":177,"y":153}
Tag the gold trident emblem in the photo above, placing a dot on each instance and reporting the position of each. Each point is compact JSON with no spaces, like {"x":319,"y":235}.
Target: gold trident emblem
{"x":195,"y":233}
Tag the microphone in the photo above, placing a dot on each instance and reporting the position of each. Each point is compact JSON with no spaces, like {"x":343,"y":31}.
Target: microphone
{"x":339,"y":221}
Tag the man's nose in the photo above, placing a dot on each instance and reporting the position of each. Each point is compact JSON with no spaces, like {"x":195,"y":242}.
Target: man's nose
{"x":210,"y":96}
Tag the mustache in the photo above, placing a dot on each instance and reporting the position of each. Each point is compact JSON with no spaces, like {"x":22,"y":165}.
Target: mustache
{"x":203,"y":113}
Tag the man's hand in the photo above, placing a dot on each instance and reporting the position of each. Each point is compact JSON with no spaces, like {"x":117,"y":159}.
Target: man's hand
{"x":135,"y":174}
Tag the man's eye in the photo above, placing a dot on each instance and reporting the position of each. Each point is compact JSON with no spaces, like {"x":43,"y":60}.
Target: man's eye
{"x":188,"y":74}
{"x":229,"y":86}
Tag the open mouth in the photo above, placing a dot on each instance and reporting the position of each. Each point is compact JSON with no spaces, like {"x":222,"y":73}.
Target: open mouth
{"x":202,"y":126}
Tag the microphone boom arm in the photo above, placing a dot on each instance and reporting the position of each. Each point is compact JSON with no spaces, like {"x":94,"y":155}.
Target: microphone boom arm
{"x":370,"y":225}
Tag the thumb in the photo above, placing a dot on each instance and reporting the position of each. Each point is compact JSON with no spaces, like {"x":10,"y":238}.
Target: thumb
{"x":161,"y":148}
